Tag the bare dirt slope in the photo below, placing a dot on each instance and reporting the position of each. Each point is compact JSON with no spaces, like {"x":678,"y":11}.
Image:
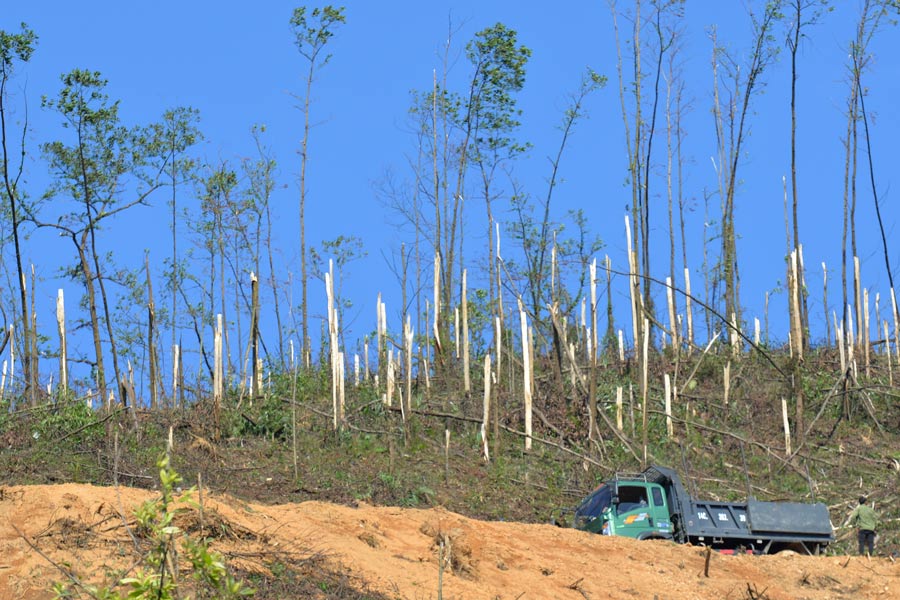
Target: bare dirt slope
{"x":395,"y":551}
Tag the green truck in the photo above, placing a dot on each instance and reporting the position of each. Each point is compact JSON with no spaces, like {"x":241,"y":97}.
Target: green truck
{"x":655,"y":505}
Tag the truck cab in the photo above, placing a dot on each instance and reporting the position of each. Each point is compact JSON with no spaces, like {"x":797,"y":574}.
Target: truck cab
{"x":635,"y":509}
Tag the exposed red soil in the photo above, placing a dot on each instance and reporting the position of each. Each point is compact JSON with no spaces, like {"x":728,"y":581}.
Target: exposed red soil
{"x":396,"y":551}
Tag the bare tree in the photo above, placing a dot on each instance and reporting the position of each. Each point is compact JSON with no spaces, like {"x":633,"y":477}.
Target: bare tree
{"x":803,"y":13}
{"x":640,"y":120}
{"x":871,"y":14}
{"x":675,"y":109}
{"x":260,"y":173}
{"x":741,"y":82}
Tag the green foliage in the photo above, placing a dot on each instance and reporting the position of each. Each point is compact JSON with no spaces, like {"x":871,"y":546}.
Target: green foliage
{"x":154,"y":580}
{"x":15,"y":47}
{"x":312,"y":29}
{"x":72,"y":419}
{"x":499,"y":64}
{"x":90,"y":168}
{"x":480,"y":323}
{"x":269,"y":417}
{"x":417,"y":496}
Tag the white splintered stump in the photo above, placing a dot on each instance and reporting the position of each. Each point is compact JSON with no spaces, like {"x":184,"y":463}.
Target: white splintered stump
{"x":467,"y":383}
{"x":176,"y":366}
{"x":687,"y":308}
{"x":735,"y":338}
{"x":850,"y":337}
{"x":486,"y":407}
{"x":573,"y":377}
{"x":673,"y":323}
{"x":218,"y":368}
{"x":590,"y":346}
{"x":61,"y":328}
{"x":727,"y":380}
{"x":621,"y":347}
{"x":12,"y":354}
{"x":857,"y":286}
{"x":619,"y":408}
{"x":341,"y":396}
{"x":878,"y":318}
{"x":633,"y":284}
{"x":839,"y":336}
{"x":332,"y":336}
{"x":796,"y":324}
{"x":456,"y":331}
{"x":408,"y":341}
{"x":437,"y":297}
{"x":668,"y":383}
{"x":585,"y":331}
{"x":864,"y":331}
{"x":526,"y":377}
{"x":887,"y":353}
{"x":389,"y":395}
{"x":383,"y":313}
{"x":644,"y":386}
{"x":366,"y":359}
{"x":498,"y":341}
{"x":787,"y":428}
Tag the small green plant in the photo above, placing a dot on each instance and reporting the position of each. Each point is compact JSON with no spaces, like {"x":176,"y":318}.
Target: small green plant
{"x":157,"y":578}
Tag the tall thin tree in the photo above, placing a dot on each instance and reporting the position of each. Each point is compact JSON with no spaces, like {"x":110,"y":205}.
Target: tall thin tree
{"x":16,"y":48}
{"x":103,"y":170}
{"x":312,"y":31}
{"x":803,"y":13}
{"x":732,"y":129}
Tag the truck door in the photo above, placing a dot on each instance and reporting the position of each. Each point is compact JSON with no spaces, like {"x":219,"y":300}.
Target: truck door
{"x":634,"y":516}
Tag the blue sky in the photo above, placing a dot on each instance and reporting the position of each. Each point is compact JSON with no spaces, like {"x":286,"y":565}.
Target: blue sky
{"x":235,"y":62}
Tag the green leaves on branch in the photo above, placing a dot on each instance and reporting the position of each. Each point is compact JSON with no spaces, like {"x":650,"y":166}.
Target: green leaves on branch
{"x":312,"y":29}
{"x":499,"y":63}
{"x":15,"y":47}
{"x":102,"y":159}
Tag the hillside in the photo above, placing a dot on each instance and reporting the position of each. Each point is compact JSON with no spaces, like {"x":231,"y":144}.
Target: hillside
{"x":300,"y":509}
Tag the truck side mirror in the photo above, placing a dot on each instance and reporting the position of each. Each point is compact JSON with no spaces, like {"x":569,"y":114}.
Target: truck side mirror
{"x":615,"y":499}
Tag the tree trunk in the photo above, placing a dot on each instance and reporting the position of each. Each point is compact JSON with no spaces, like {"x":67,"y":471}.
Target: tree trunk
{"x":151,"y":342}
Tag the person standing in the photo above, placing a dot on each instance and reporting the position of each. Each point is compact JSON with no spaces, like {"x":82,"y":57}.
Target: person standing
{"x":865,"y":520}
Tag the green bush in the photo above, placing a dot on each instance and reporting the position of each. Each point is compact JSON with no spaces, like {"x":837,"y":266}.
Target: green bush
{"x":72,"y":418}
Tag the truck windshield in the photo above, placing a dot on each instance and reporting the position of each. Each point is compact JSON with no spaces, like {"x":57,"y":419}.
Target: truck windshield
{"x":591,"y":507}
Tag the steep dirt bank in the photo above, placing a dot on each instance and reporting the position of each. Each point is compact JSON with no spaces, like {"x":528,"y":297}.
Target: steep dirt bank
{"x":396,"y":551}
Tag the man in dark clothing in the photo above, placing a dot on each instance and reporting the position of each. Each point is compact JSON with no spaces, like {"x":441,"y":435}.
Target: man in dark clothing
{"x":865,"y":519}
